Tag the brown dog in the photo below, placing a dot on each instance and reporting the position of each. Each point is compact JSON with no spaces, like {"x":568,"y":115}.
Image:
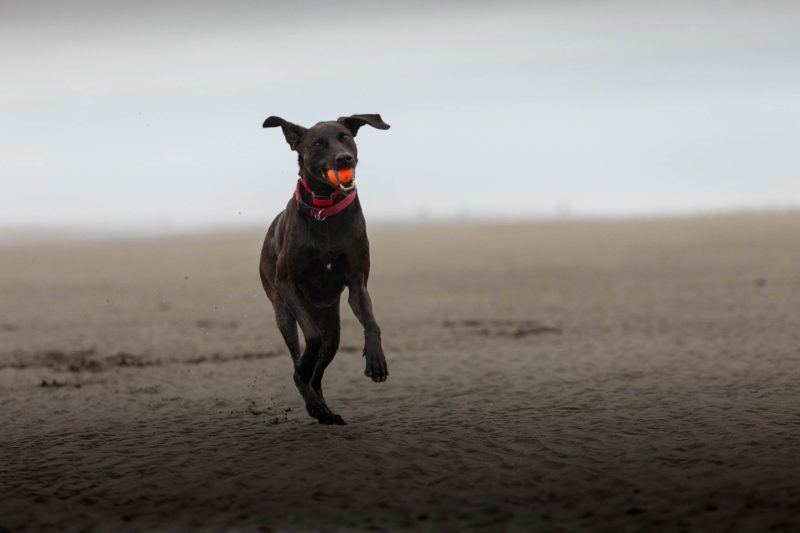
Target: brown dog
{"x":315,"y":248}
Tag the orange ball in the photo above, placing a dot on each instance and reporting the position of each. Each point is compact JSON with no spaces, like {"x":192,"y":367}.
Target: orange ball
{"x":345,"y":175}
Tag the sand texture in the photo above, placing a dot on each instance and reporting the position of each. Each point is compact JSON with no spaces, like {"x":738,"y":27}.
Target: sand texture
{"x":617,"y":375}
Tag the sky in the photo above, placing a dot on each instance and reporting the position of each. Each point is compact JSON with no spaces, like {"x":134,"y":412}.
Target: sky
{"x":148,"y":115}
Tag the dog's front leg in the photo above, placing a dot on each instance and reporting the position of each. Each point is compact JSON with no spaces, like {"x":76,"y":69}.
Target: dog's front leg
{"x":361,"y":304}
{"x":304,"y":366}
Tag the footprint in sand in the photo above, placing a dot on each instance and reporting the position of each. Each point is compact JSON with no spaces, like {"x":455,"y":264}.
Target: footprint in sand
{"x":515,"y":329}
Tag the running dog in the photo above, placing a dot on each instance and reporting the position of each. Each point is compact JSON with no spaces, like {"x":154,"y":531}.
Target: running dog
{"x":315,"y":248}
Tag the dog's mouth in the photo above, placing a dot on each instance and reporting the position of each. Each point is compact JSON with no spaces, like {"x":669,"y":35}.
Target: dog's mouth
{"x":341,"y":178}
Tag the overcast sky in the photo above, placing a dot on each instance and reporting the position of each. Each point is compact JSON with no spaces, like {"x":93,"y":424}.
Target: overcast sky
{"x":148,"y":115}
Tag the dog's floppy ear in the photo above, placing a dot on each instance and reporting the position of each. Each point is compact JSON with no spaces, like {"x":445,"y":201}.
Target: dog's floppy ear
{"x":353,"y":122}
{"x":292,"y":132}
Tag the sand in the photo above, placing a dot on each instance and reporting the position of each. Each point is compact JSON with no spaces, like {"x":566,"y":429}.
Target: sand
{"x":614,"y":375}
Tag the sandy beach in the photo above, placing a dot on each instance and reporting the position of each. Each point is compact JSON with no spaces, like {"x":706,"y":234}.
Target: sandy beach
{"x":566,"y":375}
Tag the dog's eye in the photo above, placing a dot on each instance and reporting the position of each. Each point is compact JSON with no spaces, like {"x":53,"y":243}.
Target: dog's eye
{"x":319,"y":143}
{"x":344,"y":137}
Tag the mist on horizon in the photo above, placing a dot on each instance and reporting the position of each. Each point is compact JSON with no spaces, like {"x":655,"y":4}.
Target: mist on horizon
{"x":149,"y":116}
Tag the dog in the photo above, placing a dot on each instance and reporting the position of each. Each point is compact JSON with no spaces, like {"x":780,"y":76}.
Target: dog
{"x":315,"y":248}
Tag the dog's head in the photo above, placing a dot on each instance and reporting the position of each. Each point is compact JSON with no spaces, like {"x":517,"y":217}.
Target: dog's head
{"x":327,"y":151}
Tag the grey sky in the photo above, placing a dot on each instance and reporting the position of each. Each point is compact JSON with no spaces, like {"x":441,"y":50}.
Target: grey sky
{"x":144,"y":115}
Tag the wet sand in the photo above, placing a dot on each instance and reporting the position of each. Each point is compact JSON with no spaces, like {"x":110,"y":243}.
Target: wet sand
{"x":615,"y":375}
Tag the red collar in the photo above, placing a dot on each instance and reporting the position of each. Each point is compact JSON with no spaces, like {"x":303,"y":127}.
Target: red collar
{"x":323,"y":207}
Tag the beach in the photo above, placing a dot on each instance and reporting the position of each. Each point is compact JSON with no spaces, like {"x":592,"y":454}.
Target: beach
{"x":612,"y":375}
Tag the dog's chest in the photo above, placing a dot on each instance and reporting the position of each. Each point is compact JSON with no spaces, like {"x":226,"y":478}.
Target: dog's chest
{"x":323,"y":278}
{"x":327,"y":264}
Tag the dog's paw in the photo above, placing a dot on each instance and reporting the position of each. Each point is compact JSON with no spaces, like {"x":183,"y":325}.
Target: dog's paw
{"x":330,"y":419}
{"x":376,"y":369}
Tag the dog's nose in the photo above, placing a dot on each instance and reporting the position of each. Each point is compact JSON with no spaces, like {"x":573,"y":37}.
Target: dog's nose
{"x":344,"y":159}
